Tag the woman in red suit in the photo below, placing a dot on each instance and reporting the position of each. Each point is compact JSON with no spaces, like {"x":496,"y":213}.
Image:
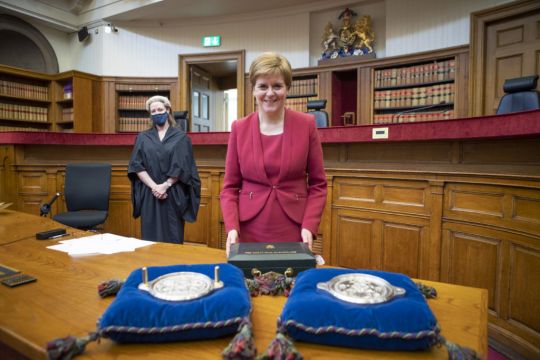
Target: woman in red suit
{"x":275,"y":186}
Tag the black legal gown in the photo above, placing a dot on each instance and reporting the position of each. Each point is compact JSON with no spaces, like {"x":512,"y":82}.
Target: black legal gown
{"x":163,"y":220}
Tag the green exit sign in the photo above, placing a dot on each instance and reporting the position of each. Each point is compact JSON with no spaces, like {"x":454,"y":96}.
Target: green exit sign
{"x":208,"y":41}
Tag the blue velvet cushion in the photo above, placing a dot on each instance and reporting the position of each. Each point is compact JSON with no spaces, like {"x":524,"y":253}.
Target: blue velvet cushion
{"x":314,"y":315}
{"x":137,"y":316}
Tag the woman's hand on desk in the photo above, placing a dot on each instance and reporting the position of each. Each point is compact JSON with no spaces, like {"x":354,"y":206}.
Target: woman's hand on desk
{"x":232,"y":237}
{"x":307,"y":237}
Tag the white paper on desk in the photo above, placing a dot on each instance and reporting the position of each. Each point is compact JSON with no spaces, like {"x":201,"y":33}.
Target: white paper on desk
{"x":99,"y":244}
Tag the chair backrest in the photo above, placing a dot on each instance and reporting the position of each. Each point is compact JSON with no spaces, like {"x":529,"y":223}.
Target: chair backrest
{"x":87,"y":186}
{"x":520,"y":95}
{"x":316,"y":107}
{"x":181,"y":119}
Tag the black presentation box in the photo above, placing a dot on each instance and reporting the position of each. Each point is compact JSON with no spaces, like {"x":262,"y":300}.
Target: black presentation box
{"x":265,"y":257}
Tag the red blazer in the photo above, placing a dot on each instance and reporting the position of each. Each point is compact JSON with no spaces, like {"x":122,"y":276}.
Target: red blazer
{"x":301,"y":185}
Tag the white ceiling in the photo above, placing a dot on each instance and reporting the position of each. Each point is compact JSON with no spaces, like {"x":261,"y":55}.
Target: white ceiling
{"x":189,"y":9}
{"x":69,"y":15}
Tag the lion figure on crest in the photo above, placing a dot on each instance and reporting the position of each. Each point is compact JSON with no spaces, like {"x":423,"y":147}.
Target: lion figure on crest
{"x":363,"y":33}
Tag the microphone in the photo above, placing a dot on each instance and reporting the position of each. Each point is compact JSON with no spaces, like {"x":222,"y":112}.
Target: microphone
{"x":46,"y":208}
{"x":395,"y":117}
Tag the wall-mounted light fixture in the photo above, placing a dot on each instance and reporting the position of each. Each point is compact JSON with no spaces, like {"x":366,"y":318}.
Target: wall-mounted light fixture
{"x":110,"y":29}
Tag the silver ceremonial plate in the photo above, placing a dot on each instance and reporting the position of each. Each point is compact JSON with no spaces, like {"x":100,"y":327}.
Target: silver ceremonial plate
{"x":361,"y":288}
{"x":181,"y":286}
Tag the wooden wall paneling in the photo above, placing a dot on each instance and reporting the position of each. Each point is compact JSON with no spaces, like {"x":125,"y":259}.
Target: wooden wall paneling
{"x":375,"y":240}
{"x":506,"y":263}
{"x":472,"y":257}
{"x":431,"y":252}
{"x":402,"y":244}
{"x":322,"y":246}
{"x":249,"y":104}
{"x":82,"y":105}
{"x":109,"y":109}
{"x":399,"y":196}
{"x":504,"y":43}
{"x":461,"y":88}
{"x":352,"y":239}
{"x":524,"y":311}
{"x":400,"y":153}
{"x":215,"y":208}
{"x":55,"y":111}
{"x":33,"y":188}
{"x":365,"y":97}
{"x":120,"y":220}
{"x":325,"y":91}
{"x":523,"y":151}
{"x":8,"y":176}
{"x":498,"y":206}
{"x":97,"y":120}
{"x":199,"y":231}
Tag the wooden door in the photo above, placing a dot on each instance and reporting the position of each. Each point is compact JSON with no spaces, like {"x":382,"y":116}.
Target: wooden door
{"x":505,"y":43}
{"x":512,"y":51}
{"x":201,"y":98}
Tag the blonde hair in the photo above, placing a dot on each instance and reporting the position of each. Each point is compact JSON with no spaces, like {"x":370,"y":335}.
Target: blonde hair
{"x":166,"y":102}
{"x":270,"y":63}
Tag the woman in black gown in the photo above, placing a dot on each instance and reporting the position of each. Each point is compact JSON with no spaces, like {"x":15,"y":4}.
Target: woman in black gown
{"x":164,"y":178}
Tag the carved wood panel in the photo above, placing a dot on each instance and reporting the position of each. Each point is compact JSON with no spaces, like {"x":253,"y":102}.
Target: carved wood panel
{"x":471,"y":260}
{"x":524,"y":308}
{"x":500,"y":206}
{"x":383,"y":194}
{"x":199,"y":231}
{"x":375,"y":240}
{"x":505,"y":262}
{"x":32,"y":191}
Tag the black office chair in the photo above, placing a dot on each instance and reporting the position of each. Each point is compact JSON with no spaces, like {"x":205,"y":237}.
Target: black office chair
{"x":86,"y":190}
{"x":520,"y":95}
{"x":181,"y":119}
{"x":316,"y":107}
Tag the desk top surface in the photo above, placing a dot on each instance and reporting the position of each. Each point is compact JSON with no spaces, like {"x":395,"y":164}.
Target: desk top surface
{"x":64,"y":301}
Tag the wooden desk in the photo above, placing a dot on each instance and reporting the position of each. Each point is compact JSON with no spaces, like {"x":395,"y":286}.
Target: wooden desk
{"x":64,"y":301}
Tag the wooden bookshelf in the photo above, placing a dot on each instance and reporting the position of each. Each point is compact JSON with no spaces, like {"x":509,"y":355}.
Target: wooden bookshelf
{"x":131,"y":95}
{"x":75,"y":102}
{"x":303,"y":89}
{"x":24,"y":100}
{"x":414,"y":92}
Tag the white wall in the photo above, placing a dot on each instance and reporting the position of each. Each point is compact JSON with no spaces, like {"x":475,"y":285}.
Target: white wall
{"x":401,"y":27}
{"x":153,"y":51}
{"x":422,"y":25}
{"x":60,"y":42}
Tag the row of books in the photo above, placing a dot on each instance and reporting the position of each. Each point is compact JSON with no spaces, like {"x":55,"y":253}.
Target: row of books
{"x":132,"y":102}
{"x":417,"y":96}
{"x":412,"y":117}
{"x":23,"y":112}
{"x":417,"y":74}
{"x":133,"y":124}
{"x":304,"y":87}
{"x":67,"y":114}
{"x":142,"y":87}
{"x":21,"y":128}
{"x":12,"y":88}
{"x":298,"y":104}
